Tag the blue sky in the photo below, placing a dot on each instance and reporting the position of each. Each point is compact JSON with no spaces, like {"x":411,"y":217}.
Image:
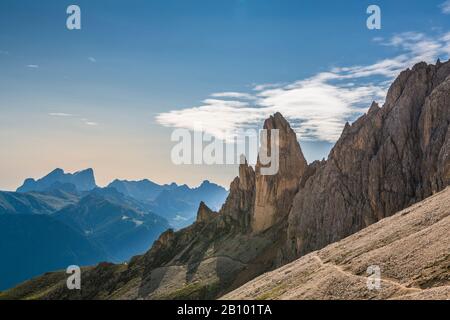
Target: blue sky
{"x":109,"y":95}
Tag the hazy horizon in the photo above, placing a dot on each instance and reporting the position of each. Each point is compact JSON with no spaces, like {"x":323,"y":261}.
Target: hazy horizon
{"x":105,"y":182}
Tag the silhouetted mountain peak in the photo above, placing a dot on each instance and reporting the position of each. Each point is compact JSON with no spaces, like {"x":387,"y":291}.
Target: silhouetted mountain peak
{"x":206,"y":184}
{"x":86,"y":172}
{"x":28,"y":182}
{"x":204,"y":213}
{"x":143,"y":190}
{"x":56,"y":173}
{"x":83,"y":181}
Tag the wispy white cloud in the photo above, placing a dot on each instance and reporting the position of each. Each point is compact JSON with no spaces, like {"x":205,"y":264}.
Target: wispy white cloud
{"x":378,"y":39}
{"x":445,"y":7}
{"x":317,"y":107}
{"x":32,"y":66}
{"x":264,"y":86}
{"x":235,"y":95}
{"x":60,"y":114}
{"x":92,"y":59}
{"x":89,"y":122}
{"x":70,"y":115}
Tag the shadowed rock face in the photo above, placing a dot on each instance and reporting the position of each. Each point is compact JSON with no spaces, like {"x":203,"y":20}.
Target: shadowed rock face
{"x":387,"y":160}
{"x":240,"y":202}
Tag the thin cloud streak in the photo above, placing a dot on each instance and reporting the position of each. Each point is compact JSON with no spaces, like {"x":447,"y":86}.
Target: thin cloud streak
{"x":60,"y":114}
{"x":69,"y":115}
{"x":445,"y":7}
{"x":235,"y":95}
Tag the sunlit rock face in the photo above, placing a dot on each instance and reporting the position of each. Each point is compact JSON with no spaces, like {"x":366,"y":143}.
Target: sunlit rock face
{"x":204,"y":213}
{"x":274,"y":193}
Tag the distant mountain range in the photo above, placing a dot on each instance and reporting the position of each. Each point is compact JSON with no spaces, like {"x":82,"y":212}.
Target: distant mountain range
{"x":64,"y":219}
{"x":176,"y":203}
{"x":119,"y":225}
{"x":144,"y":190}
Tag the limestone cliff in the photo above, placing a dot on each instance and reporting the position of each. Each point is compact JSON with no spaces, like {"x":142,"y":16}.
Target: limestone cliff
{"x":274,"y":193}
{"x":259,"y":201}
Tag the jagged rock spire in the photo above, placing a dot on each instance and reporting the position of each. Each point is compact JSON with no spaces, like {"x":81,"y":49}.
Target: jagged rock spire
{"x":274,"y":193}
{"x":239,"y":204}
{"x":204,"y":213}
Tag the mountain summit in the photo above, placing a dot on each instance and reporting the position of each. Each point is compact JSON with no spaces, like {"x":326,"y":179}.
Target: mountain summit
{"x":274,"y":193}
{"x":83,"y":181}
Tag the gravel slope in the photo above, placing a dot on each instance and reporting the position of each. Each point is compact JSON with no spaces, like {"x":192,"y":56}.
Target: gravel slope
{"x":411,"y":248}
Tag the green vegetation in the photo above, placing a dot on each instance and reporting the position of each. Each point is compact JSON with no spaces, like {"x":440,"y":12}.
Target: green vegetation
{"x":34,"y":289}
{"x":273,"y":293}
{"x":194,"y":291}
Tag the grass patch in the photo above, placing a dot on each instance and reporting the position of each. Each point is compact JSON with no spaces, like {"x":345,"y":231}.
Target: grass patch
{"x":273,"y":293}
{"x":194,"y":291}
{"x":35,"y":288}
